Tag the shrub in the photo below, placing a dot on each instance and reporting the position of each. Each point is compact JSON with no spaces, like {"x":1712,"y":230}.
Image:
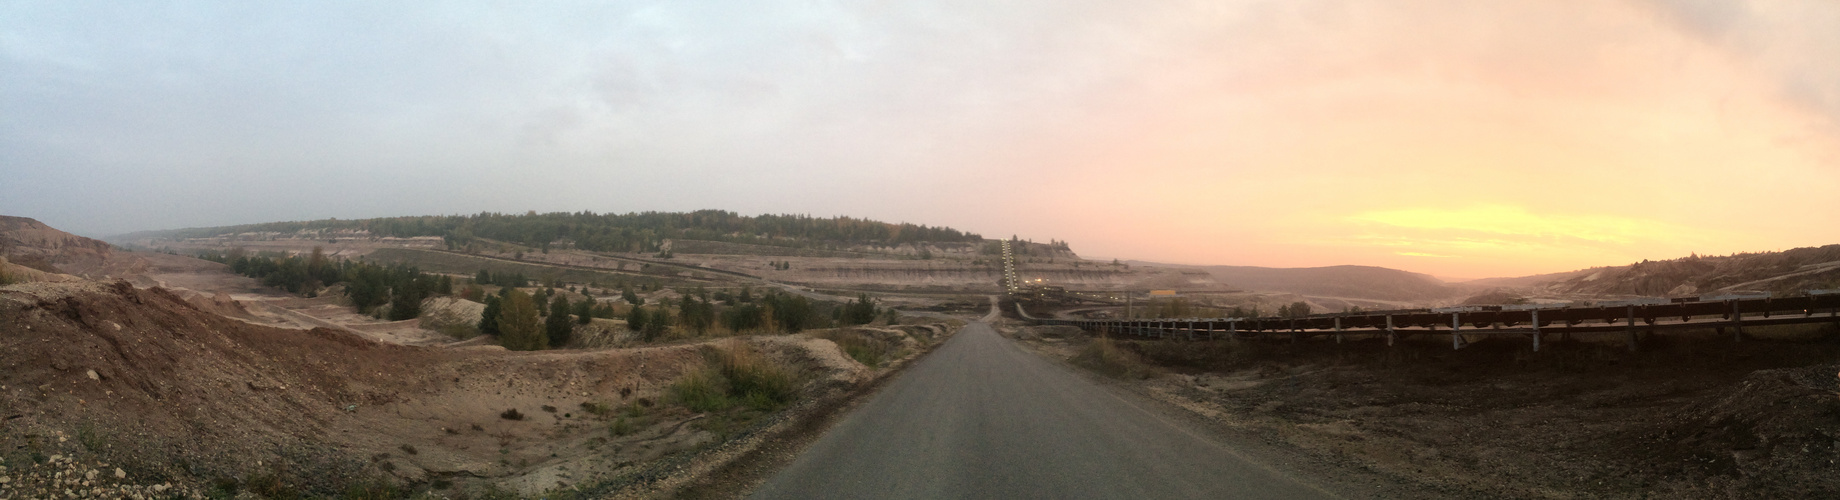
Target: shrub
{"x":511,"y":414}
{"x":1105,"y":356}
{"x":735,"y":375}
{"x":596,"y":407}
{"x":621,"y":427}
{"x":702,"y":390}
{"x":756,"y":380}
{"x":863,"y":348}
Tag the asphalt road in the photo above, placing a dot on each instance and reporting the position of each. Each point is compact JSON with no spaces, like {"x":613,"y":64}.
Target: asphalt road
{"x":981,"y":418}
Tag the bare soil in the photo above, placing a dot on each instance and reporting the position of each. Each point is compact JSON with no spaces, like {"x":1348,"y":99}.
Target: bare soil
{"x":178,"y":395}
{"x":1688,"y":416}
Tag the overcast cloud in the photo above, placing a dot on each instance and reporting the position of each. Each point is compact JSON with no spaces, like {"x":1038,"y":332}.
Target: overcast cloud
{"x":1242,"y":132}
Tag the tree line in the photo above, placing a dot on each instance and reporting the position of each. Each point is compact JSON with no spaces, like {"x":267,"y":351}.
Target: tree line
{"x":369,"y":286}
{"x":545,"y":319}
{"x":631,"y":232}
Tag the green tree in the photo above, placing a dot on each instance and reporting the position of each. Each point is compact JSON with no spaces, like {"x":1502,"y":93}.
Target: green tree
{"x":405,"y":302}
{"x":517,"y":324}
{"x":636,"y":319}
{"x":632,"y":297}
{"x":559,"y":326}
{"x":488,"y":319}
{"x":791,"y":313}
{"x":584,"y":311}
{"x":858,"y":312}
{"x":742,"y":318}
{"x":696,"y":314}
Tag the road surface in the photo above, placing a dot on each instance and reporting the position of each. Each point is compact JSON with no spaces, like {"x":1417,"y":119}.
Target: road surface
{"x":981,"y":418}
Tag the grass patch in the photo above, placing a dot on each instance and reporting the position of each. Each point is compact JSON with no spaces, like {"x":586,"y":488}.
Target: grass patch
{"x":735,"y":375}
{"x":622,"y":426}
{"x":862,"y":347}
{"x":596,"y":408}
{"x":1106,"y":356}
{"x":702,"y":390}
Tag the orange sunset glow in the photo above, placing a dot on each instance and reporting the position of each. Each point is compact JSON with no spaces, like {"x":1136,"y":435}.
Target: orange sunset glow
{"x":1476,"y":140}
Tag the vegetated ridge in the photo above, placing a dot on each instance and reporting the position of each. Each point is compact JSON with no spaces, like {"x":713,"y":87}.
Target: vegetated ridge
{"x":631,"y":232}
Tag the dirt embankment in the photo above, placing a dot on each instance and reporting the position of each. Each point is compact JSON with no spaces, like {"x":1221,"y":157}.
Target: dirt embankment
{"x":1689,"y":416}
{"x":99,"y":376}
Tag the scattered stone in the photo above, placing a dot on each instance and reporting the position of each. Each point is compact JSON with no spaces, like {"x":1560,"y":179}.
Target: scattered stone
{"x":120,"y":473}
{"x":93,"y":376}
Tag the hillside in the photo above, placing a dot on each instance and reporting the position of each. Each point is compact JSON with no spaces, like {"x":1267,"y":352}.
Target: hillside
{"x":1359,"y":282}
{"x":1523,"y":281}
{"x":631,"y":232}
{"x":28,"y":242}
{"x":1788,"y":271}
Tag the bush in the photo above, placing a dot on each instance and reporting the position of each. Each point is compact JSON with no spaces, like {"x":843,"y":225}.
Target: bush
{"x":758,"y":381}
{"x":702,"y":390}
{"x":621,"y":427}
{"x":1105,"y":356}
{"x":596,"y":408}
{"x":865,"y":349}
{"x":732,"y":376}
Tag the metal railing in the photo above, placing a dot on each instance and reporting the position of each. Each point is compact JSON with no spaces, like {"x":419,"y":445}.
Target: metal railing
{"x":1533,"y":320}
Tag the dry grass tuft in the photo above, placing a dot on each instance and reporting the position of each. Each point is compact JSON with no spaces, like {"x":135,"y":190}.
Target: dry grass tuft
{"x":862,"y":347}
{"x":736,"y":375}
{"x":1105,"y":356}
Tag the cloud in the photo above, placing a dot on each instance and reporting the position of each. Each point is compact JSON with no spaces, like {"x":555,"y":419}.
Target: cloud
{"x":1517,"y":222}
{"x":1794,"y":42}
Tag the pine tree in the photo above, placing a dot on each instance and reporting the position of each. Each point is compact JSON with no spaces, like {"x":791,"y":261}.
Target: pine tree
{"x":488,"y":319}
{"x":584,"y":311}
{"x":637,"y":319}
{"x":559,"y":326}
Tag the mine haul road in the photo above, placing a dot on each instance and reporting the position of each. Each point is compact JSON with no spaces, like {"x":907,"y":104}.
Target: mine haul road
{"x":981,"y":418}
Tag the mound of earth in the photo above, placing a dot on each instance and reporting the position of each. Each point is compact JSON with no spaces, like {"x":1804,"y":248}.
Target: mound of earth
{"x":31,"y":243}
{"x":146,"y":381}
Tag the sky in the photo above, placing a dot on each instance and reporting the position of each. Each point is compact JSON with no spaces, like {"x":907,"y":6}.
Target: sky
{"x":1456,"y":138}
